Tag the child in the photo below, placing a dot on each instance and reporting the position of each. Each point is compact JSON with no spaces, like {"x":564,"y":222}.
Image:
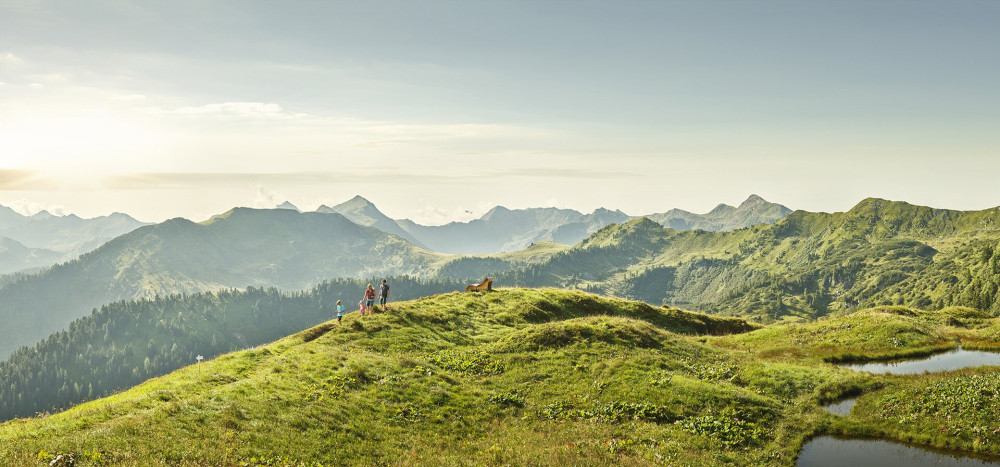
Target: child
{"x":340,"y":312}
{"x":361,"y":307}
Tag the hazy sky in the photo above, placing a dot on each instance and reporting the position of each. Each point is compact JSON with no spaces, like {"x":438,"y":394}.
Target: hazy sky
{"x":438,"y":110}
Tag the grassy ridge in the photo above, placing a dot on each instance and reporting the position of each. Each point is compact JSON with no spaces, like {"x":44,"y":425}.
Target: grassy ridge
{"x":540,"y":377}
{"x":125,"y":343}
{"x":574,"y":377}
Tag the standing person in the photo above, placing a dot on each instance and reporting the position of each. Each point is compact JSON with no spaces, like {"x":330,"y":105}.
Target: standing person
{"x":340,"y":312}
{"x":370,"y":298}
{"x":383,"y":294}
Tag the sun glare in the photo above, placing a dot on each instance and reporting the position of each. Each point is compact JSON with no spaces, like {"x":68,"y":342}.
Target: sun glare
{"x":54,"y":143}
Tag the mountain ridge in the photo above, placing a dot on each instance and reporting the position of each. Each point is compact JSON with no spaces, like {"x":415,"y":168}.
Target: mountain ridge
{"x":362,"y":212}
{"x":805,"y":265}
{"x":244,"y":246}
{"x":55,"y":238}
{"x":753,"y":211}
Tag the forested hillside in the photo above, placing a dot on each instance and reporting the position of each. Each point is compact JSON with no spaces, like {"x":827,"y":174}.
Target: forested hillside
{"x":808,"y":264}
{"x":127,"y":342}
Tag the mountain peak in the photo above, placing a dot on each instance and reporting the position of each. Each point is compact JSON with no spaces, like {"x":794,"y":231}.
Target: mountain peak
{"x":721,"y":210}
{"x":356,"y":204}
{"x":753,"y":200}
{"x":120,"y":216}
{"x":497,"y":210}
{"x":362,"y":212}
{"x":287,"y":205}
{"x":358,"y":199}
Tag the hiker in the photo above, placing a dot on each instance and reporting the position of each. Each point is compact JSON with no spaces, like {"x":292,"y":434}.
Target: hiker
{"x":370,"y":298}
{"x":340,"y":312}
{"x":383,"y":294}
{"x":361,"y":306}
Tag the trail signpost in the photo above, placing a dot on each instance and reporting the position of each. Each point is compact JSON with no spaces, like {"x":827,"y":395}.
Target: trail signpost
{"x":199,"y":358}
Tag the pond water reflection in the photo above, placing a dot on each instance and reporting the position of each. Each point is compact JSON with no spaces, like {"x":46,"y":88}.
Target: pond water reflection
{"x":830,"y":451}
{"x":947,"y":361}
{"x":842,"y":408}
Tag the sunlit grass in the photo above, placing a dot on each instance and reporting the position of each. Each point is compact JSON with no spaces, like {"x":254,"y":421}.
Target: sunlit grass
{"x":538,"y":377}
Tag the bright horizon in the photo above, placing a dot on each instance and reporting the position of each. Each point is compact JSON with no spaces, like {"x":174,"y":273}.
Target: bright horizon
{"x":439,"y":111}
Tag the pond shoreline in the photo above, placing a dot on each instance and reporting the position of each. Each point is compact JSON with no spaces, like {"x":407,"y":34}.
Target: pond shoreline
{"x":851,"y":358}
{"x":839,"y":449}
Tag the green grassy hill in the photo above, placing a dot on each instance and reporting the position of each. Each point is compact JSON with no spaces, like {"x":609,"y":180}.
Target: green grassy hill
{"x":540,"y":377}
{"x":808,"y":264}
{"x":452,"y":378}
{"x":127,"y":342}
{"x":471,"y":267}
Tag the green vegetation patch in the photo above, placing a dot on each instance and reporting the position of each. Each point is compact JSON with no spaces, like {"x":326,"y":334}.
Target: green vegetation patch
{"x":608,"y":330}
{"x":473,"y":362}
{"x":954,"y":409}
{"x":874,"y":334}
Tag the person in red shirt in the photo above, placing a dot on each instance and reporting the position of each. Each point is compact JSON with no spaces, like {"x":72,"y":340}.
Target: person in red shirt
{"x":370,"y":298}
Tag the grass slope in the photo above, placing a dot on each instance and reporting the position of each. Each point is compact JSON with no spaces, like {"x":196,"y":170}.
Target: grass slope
{"x":526,"y":377}
{"x":125,"y":343}
{"x":442,"y":380}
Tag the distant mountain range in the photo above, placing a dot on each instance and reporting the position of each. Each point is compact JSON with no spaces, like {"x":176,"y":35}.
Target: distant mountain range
{"x":755,"y":210}
{"x":362,"y":212}
{"x":243,"y":247}
{"x":503,"y":229}
{"x":808,"y":264}
{"x":44,"y":239}
{"x":15,"y":257}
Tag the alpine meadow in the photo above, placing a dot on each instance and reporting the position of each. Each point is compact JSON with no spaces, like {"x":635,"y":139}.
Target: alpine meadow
{"x":247,"y":233}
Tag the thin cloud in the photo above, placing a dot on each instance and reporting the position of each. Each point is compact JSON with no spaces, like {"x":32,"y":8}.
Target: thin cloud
{"x":229,"y":109}
{"x":566,"y":173}
{"x":183,"y":180}
{"x":30,"y":208}
{"x":23,"y":180}
{"x":10,"y":58}
{"x":265,"y":198}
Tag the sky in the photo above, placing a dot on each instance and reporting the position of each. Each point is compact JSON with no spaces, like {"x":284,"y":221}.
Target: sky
{"x":439,"y":110}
